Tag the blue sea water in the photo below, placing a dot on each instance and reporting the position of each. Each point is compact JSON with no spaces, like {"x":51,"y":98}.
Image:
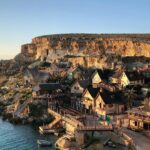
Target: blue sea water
{"x":21,"y":137}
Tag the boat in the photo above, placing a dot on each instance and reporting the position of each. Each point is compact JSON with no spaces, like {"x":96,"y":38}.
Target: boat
{"x":44,"y":143}
{"x":56,"y":133}
{"x":46,"y":130}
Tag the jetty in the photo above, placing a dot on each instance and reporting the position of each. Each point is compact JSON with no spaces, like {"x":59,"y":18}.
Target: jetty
{"x":71,"y":123}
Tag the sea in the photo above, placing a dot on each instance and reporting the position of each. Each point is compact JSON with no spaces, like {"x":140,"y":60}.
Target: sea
{"x":21,"y":137}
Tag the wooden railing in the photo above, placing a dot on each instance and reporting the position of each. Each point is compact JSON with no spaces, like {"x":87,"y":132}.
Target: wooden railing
{"x":96,"y":128}
{"x":55,"y":114}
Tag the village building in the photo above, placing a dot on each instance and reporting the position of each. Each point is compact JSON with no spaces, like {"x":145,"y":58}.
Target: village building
{"x":120,"y":78}
{"x":88,"y":98}
{"x":98,"y":76}
{"x":102,"y":101}
{"x":79,"y":86}
{"x":33,"y":76}
{"x":46,"y":89}
{"x":96,"y":79}
{"x":77,"y":90}
{"x":139,"y":118}
{"x":107,"y":102}
{"x":135,"y":77}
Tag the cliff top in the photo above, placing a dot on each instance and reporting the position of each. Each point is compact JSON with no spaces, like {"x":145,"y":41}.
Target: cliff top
{"x":88,"y":35}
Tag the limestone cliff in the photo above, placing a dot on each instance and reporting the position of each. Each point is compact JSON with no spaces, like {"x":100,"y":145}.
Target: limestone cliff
{"x":55,"y":47}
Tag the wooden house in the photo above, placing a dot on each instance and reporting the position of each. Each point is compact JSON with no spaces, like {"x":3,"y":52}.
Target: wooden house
{"x":96,"y":79}
{"x":102,"y":101}
{"x":79,"y":86}
{"x":45,"y":89}
{"x":107,"y":102}
{"x":76,"y":91}
{"x":121,"y":78}
{"x":33,"y":76}
{"x":98,"y":76}
{"x":88,"y":98}
{"x":139,"y":118}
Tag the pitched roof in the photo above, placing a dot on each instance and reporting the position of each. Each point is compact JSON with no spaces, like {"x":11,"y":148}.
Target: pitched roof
{"x":93,"y":91}
{"x":49,"y":86}
{"x":104,"y":74}
{"x":88,"y":73}
{"x":111,"y":97}
{"x":84,"y":83}
{"x":37,"y":76}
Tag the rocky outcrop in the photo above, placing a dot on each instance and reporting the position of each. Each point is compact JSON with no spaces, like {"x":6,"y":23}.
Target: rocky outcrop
{"x":54,"y":47}
{"x":13,"y":66}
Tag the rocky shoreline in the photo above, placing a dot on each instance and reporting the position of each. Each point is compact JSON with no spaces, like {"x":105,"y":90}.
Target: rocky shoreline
{"x":35,"y":121}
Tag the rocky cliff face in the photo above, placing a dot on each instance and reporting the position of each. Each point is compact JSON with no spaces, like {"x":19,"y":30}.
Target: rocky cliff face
{"x":55,"y":47}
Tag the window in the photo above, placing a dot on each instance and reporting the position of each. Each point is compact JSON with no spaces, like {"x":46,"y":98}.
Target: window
{"x":100,"y":105}
{"x":135,"y":123}
{"x":76,"y":88}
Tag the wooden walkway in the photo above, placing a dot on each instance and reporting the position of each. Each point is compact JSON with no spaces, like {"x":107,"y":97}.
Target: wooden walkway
{"x":95,"y":128}
{"x":69,"y":119}
{"x":78,"y":124}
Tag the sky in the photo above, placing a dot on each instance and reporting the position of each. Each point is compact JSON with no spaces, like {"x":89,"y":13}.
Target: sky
{"x":22,"y":20}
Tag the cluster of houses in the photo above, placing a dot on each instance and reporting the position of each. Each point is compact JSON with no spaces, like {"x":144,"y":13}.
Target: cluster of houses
{"x":94,"y":91}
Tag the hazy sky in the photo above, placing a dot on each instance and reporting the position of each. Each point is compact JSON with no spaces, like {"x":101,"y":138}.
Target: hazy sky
{"x":21,"y":20}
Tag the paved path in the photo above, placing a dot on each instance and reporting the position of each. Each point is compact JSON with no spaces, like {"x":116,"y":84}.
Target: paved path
{"x":142,"y":142}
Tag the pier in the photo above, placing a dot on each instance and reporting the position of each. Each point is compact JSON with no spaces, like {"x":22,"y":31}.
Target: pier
{"x":72,"y":123}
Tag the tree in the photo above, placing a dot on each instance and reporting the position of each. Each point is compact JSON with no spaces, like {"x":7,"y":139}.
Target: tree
{"x":130,"y":96}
